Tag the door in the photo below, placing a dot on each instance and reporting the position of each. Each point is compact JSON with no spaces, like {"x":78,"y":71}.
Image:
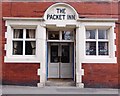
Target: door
{"x":60,"y":60}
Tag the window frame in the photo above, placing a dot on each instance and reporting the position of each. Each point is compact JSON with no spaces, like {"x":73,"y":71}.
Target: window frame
{"x":97,"y":40}
{"x":21,"y":23}
{"x":24,"y":39}
{"x":111,"y":58}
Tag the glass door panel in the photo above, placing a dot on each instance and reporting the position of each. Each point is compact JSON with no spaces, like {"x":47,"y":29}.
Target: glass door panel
{"x":65,"y":54}
{"x":66,"y":60}
{"x":53,"y":66}
{"x":54,"y":54}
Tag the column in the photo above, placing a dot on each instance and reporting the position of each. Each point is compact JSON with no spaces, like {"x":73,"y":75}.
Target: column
{"x":41,"y":53}
{"x":80,"y":31}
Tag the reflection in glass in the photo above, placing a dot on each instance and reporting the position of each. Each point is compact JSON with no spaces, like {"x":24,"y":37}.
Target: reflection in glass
{"x":67,"y":35}
{"x":30,"y":47}
{"x":54,"y":54}
{"x":90,"y":34}
{"x":90,"y":48}
{"x":65,"y":54}
{"x":103,"y":48}
{"x":102,"y":34}
{"x":17,"y":47}
{"x":53,"y":35}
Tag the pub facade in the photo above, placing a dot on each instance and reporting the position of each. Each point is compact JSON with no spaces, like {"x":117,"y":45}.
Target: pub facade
{"x":46,"y":42}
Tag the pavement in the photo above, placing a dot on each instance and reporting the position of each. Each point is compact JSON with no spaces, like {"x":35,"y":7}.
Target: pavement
{"x":6,"y":89}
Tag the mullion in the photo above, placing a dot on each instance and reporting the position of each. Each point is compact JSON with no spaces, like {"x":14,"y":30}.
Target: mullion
{"x":96,"y":42}
{"x":24,"y":37}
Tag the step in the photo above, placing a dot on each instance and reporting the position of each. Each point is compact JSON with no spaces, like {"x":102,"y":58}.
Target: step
{"x":60,"y":83}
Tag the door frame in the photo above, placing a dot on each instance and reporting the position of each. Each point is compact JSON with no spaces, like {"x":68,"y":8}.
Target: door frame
{"x":72,"y":56}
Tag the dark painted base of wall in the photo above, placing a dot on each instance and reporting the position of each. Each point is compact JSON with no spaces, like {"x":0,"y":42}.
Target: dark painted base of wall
{"x":27,"y":83}
{"x":88,"y":85}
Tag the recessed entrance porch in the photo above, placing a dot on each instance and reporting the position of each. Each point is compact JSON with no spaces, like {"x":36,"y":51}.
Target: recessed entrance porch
{"x":60,"y":54}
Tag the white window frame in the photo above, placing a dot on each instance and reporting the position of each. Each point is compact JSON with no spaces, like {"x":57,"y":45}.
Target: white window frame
{"x":24,"y":39}
{"x":22,"y":24}
{"x":111,"y":58}
{"x":97,"y":40}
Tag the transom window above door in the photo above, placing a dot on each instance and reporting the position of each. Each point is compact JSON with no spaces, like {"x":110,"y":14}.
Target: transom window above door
{"x":60,"y":35}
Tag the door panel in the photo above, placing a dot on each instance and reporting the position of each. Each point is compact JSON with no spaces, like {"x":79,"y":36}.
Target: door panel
{"x":53,"y":71}
{"x":53,"y":66}
{"x":66,"y":63}
{"x":66,"y":70}
{"x":65,"y":53}
{"x":60,"y":60}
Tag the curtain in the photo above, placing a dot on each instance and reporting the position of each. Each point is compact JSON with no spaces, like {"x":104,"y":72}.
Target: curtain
{"x":87,"y":48}
{"x":32,"y":35}
{"x":16,"y":35}
{"x":15,"y":47}
{"x":33,"y":48}
{"x":106,"y":48}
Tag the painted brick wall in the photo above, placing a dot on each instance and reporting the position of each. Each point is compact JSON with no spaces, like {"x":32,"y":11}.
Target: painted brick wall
{"x":96,"y":75}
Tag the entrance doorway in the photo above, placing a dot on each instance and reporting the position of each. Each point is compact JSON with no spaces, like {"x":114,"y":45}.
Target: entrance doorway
{"x":60,"y":60}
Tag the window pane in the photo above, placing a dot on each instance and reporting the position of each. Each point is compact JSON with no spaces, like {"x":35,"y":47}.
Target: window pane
{"x":67,"y":35}
{"x":54,"y":54}
{"x":65,"y":58}
{"x":30,"y":48}
{"x":90,"y":34}
{"x":17,"y":47}
{"x":30,"y":33}
{"x":18,"y":33}
{"x":102,"y":34}
{"x":53,"y":35}
{"x":90,"y":48}
{"x":103,"y":48}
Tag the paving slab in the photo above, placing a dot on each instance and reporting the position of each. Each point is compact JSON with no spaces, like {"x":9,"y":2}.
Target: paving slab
{"x":57,"y":90}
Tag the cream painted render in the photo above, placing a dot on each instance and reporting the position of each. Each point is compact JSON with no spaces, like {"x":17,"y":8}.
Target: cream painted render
{"x":40,"y":24}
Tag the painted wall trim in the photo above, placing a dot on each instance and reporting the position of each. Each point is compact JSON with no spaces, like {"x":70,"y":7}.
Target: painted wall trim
{"x":79,"y":19}
{"x":21,"y":18}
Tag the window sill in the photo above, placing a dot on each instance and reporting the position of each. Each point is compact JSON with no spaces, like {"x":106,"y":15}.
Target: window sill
{"x":99,"y":59}
{"x":21,"y":59}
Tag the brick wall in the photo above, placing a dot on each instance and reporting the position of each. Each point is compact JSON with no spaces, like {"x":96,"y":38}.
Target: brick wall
{"x":96,"y":75}
{"x":119,"y":44}
{"x":101,"y":75}
{"x":20,"y":74}
{"x":37,"y":9}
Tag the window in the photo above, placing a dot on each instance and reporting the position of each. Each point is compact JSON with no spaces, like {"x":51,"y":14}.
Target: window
{"x":97,"y":42}
{"x":53,"y":35}
{"x":24,"y":42}
{"x":67,"y":35}
{"x":60,"y":35}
